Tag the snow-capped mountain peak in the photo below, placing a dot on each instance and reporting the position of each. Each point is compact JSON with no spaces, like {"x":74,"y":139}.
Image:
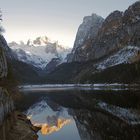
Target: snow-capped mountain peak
{"x":39,"y":41}
{"x":39,"y":52}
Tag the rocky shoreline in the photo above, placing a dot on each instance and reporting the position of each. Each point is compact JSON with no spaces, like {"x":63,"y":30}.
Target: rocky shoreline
{"x":17,"y":127}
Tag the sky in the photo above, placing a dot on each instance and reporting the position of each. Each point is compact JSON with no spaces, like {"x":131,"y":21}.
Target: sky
{"x":57,"y":19}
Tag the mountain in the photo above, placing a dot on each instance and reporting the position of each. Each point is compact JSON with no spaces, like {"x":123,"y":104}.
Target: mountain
{"x":87,"y":32}
{"x":38,"y":52}
{"x":12,"y":70}
{"x":105,"y":50}
{"x":118,"y":31}
{"x":109,"y":52}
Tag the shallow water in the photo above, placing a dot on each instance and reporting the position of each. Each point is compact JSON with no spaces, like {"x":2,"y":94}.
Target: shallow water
{"x":77,"y":114}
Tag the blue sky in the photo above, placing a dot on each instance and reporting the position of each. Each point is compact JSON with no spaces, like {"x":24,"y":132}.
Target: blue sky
{"x":57,"y":19}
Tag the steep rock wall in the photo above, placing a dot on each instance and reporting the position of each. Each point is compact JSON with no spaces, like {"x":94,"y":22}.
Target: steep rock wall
{"x":3,"y":61}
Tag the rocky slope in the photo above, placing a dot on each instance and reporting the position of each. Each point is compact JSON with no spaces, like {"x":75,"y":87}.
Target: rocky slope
{"x":120,"y":29}
{"x":3,"y":61}
{"x":38,"y":52}
{"x":117,"y":31}
{"x":52,"y":64}
{"x":22,"y":72}
{"x":85,"y":72}
{"x":85,"y":36}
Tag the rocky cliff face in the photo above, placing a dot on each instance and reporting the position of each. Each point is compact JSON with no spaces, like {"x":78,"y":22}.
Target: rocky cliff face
{"x":8,"y":118}
{"x":3,"y":62}
{"x":131,"y":24}
{"x":86,"y":34}
{"x":108,"y":36}
{"x":6,"y":104}
{"x":119,"y":30}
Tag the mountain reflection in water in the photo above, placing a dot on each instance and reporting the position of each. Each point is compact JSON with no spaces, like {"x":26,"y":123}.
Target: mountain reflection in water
{"x":42,"y":116}
{"x":47,"y":129}
{"x":84,"y":115}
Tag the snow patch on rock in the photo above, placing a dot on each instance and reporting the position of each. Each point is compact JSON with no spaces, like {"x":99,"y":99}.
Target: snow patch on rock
{"x":124,"y":55}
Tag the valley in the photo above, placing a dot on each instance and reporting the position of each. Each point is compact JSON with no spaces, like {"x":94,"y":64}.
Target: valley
{"x":87,"y":91}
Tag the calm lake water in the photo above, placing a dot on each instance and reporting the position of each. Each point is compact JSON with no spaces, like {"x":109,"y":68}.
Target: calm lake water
{"x":78,"y":114}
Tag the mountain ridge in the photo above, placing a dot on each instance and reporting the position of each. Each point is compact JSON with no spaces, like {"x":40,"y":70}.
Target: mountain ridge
{"x":39,"y":52}
{"x":114,"y":48}
{"x":118,"y":30}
